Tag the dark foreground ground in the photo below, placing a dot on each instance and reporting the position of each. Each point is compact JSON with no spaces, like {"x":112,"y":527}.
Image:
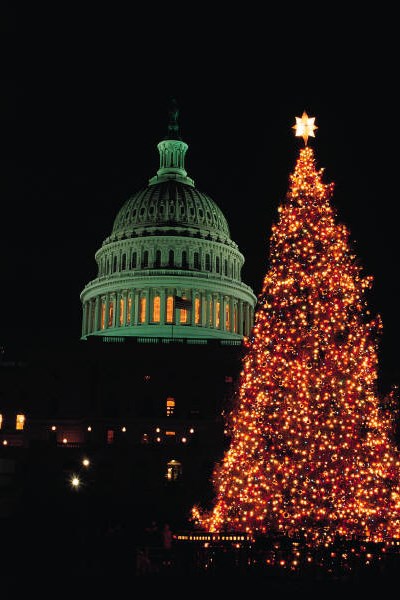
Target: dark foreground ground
{"x":120,"y":560}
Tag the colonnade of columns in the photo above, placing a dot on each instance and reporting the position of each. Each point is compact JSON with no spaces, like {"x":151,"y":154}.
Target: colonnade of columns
{"x":132,"y":308}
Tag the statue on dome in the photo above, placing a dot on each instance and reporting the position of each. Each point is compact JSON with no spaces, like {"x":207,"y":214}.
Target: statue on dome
{"x":173,"y":126}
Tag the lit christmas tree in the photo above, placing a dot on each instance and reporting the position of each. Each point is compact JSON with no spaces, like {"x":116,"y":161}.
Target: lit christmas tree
{"x":313,"y":448}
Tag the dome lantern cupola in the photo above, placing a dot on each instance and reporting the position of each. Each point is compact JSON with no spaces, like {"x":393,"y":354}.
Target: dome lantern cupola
{"x":169,"y":268}
{"x":172,"y":153}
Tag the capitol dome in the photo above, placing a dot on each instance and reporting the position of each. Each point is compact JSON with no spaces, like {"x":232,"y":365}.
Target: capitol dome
{"x":169,"y":269}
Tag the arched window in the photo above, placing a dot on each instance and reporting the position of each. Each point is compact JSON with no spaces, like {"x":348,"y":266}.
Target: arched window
{"x":196,"y":261}
{"x":142,"y":310}
{"x":157,"y":262}
{"x":217,"y":264}
{"x":156,"y":309}
{"x":114,"y":264}
{"x":170,"y":309}
{"x":129,"y":310}
{"x":145,"y":261}
{"x":217,"y":314}
{"x":184,"y":260}
{"x":111,"y":313}
{"x":197,"y":311}
{"x":134,"y":260}
{"x":171,"y":258}
{"x":208,"y":263}
{"x":225,"y":267}
{"x":227,"y":317}
{"x":123,"y":262}
{"x":121,"y":311}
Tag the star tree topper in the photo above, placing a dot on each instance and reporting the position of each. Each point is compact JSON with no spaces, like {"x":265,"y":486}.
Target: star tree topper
{"x":305,"y":127}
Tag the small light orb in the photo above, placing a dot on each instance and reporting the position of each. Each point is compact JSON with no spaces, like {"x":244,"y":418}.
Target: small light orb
{"x":86,"y":462}
{"x":184,"y":440}
{"x":75,"y":482}
{"x":53,"y":427}
{"x":5,"y":442}
{"x":65,"y":441}
{"x":123,"y":429}
{"x":89,"y":428}
{"x":191,"y":430}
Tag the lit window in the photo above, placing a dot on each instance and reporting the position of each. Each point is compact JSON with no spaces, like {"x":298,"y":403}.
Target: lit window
{"x":170,"y":406}
{"x":235,"y":320}
{"x":103,"y":314}
{"x":121,"y":311}
{"x":156,"y":309}
{"x":183,"y":313}
{"x":227,"y":317}
{"x":1,"y":420}
{"x":197,"y":311}
{"x":20,"y":422}
{"x":142,"y":312}
{"x":128,"y":314}
{"x":145,"y":438}
{"x":174,"y":470}
{"x":110,"y":314}
{"x":110,"y":436}
{"x":210,"y":308}
{"x":217,"y":316}
{"x":170,"y":309}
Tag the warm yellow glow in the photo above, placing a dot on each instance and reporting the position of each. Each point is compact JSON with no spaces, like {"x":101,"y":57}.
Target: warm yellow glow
{"x":85,"y":462}
{"x":170,"y":404}
{"x":89,"y":428}
{"x":184,"y":440}
{"x":121,"y":311}
{"x":129,"y":310}
{"x":312,"y":444}
{"x":142,"y":310}
{"x":170,"y":309}
{"x":197,"y":311}
{"x":65,"y":441}
{"x":305,"y":127}
{"x":5,"y":443}
{"x":217,"y":313}
{"x":53,"y":428}
{"x":235,"y":320}
{"x":123,"y":429}
{"x":20,"y":422}
{"x":156,"y":309}
{"x":111,"y":313}
{"x":1,"y":420}
{"x":227,"y":317}
{"x":170,"y":433}
{"x":75,"y":481}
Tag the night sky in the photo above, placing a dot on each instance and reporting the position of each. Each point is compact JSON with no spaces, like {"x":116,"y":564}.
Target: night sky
{"x":84,"y":102}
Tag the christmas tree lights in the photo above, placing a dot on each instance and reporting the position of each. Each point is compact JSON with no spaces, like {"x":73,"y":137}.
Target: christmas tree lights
{"x":312,"y":446}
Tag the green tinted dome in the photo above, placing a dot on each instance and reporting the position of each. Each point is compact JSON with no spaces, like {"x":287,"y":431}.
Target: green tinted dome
{"x":170,"y":204}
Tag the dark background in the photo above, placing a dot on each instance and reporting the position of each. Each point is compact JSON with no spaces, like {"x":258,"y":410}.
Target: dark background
{"x":84,"y":102}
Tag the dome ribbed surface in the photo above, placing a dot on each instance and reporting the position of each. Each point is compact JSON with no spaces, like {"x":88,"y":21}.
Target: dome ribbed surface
{"x":170,"y":204}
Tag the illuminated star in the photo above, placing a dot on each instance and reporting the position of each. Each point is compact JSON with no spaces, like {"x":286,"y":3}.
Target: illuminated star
{"x":305,"y":127}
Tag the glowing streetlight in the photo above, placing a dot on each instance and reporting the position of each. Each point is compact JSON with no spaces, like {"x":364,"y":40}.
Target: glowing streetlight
{"x":75,"y":482}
